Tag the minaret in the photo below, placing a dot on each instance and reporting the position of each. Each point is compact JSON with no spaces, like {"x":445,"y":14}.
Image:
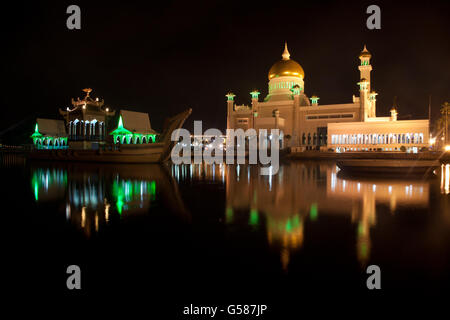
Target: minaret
{"x":254,"y":94}
{"x":296,"y":90}
{"x":365,"y":67}
{"x":314,"y":100}
{"x":364,"y":99}
{"x":373,"y":101}
{"x":366,"y":104}
{"x":394,"y":111}
{"x":230,"y":107}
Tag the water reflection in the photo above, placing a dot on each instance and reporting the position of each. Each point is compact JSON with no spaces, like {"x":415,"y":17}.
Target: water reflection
{"x":302,"y":205}
{"x":445,"y":178}
{"x":287,"y":204}
{"x":96,"y":195}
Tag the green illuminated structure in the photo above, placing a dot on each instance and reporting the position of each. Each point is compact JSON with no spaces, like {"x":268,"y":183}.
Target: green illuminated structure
{"x":230,"y":96}
{"x":296,"y":90}
{"x":314,"y":100}
{"x":255,"y":94}
{"x":121,"y":135}
{"x":52,"y":137}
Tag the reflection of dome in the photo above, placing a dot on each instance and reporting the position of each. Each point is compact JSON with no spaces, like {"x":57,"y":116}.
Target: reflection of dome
{"x":286,"y":67}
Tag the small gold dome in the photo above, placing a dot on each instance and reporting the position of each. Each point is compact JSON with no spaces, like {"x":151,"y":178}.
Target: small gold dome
{"x":286,"y":67}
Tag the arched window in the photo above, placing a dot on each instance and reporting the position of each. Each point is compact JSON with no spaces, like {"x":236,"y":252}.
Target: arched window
{"x":309,"y":138}
{"x":303,"y":138}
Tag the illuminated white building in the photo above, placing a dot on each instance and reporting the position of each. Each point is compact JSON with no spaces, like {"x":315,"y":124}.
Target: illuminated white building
{"x":306,"y":125}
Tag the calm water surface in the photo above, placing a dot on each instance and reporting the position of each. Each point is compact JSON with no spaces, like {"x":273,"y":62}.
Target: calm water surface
{"x":211,"y":232}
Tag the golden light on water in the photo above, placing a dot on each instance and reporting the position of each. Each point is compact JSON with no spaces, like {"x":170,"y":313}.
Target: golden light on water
{"x":445,"y":178}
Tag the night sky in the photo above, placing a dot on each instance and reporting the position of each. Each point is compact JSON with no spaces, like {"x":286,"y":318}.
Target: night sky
{"x":163,"y":57}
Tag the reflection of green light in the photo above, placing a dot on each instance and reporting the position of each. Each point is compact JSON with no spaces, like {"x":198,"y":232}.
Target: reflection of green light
{"x":293,"y":223}
{"x":153,"y":190}
{"x":128,"y":191}
{"x":229,"y":215}
{"x":313,"y":212}
{"x":289,"y":225}
{"x":36,"y":189}
{"x":360,"y":229}
{"x":119,"y":204}
{"x":253,"y":217}
{"x":46,"y":179}
{"x":363,"y":250}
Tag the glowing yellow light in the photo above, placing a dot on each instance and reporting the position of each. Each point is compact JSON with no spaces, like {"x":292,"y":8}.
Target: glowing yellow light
{"x":447,"y":147}
{"x":432,"y":141}
{"x":83,"y":217}
{"x":445,"y":179}
{"x":107,"y":109}
{"x":84,"y":106}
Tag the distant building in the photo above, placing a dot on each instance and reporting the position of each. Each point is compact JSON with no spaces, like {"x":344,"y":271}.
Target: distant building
{"x":306,"y":125}
{"x":88,"y":125}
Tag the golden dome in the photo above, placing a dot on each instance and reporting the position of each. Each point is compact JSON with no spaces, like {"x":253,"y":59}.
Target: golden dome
{"x":286,"y":67}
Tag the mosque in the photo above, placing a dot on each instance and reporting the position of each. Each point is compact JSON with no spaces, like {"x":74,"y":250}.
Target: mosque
{"x":306,"y":125}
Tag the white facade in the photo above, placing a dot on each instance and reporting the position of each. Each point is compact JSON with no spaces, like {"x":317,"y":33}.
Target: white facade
{"x":379,"y":135}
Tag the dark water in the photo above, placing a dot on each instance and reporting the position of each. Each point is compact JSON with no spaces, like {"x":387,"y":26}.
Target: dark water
{"x":223,"y":234}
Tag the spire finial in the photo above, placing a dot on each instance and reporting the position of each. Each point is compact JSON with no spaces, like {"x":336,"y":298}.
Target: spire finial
{"x":286,"y":53}
{"x":365,"y":53}
{"x":120,"y":122}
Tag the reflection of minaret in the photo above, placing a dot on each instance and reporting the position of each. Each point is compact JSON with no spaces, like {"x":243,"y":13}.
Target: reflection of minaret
{"x":367,"y":219}
{"x":286,"y":233}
